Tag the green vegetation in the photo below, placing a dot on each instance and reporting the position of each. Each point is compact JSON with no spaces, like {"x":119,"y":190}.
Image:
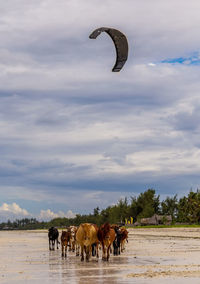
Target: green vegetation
{"x":168,"y":226}
{"x":185,"y":212}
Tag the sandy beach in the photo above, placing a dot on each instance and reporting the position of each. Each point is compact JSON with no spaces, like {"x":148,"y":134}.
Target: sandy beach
{"x":151,"y":256}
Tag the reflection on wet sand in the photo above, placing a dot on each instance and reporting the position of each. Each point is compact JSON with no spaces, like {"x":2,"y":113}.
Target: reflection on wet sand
{"x":75,"y":271}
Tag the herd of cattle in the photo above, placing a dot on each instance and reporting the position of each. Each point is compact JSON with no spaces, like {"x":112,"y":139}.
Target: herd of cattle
{"x":90,"y":238}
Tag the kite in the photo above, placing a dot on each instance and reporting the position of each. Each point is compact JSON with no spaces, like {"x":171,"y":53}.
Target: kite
{"x":120,"y":42}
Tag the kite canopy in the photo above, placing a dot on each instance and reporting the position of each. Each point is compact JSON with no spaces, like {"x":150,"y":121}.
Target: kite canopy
{"x":120,"y":42}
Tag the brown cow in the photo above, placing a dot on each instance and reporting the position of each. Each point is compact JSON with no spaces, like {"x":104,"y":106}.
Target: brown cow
{"x":65,"y":241}
{"x":86,"y":235}
{"x":73,"y":230}
{"x":106,"y":236}
{"x":124,"y":238}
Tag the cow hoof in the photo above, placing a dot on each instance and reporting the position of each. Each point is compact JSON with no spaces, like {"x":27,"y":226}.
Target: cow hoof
{"x":77,"y":254}
{"x":82,"y":259}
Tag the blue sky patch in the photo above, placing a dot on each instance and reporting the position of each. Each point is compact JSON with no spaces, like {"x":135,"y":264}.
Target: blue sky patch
{"x":191,"y":60}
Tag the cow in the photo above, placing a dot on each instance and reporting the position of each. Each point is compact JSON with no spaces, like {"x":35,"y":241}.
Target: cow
{"x":86,"y":235}
{"x":65,"y":241}
{"x":53,"y":235}
{"x":73,"y":230}
{"x":95,"y":246}
{"x":124,"y":238}
{"x":117,"y":241}
{"x":106,"y":236}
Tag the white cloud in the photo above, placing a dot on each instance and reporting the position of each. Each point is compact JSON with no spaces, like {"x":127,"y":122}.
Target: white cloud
{"x":47,"y":48}
{"x":64,"y":114}
{"x":12,"y":211}
{"x":47,"y":215}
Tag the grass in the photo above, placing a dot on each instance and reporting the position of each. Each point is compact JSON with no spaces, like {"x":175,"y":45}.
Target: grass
{"x":165,"y":226}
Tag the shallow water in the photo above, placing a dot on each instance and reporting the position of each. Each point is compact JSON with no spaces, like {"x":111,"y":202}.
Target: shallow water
{"x":150,"y":257}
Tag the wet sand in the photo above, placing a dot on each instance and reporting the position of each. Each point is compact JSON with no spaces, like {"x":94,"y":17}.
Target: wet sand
{"x":151,"y":256}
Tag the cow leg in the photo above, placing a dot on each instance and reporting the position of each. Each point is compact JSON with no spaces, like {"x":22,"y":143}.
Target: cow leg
{"x":66,"y":250}
{"x":57,"y":243}
{"x":103,"y":252}
{"x":49,"y":244}
{"x":87,"y":250}
{"x":70,"y":245}
{"x":97,"y":250}
{"x":108,"y":252}
{"x":114,"y":248}
{"x":77,"y":249}
{"x":122,"y":246}
{"x":73,"y":246}
{"x":62,"y":250}
{"x":82,"y":252}
{"x":93,"y":250}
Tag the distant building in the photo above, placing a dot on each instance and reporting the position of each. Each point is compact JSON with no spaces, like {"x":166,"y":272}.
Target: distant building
{"x":155,"y":220}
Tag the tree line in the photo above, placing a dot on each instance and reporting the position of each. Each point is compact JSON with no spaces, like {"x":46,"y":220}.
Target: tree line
{"x":183,"y":210}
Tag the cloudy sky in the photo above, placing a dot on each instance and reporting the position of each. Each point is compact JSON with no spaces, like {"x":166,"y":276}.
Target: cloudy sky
{"x":74,"y":135}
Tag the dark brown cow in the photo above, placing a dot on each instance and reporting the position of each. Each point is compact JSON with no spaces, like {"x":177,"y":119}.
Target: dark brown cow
{"x":117,"y":241}
{"x":53,"y":235}
{"x":65,"y":242}
{"x":106,"y":236}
